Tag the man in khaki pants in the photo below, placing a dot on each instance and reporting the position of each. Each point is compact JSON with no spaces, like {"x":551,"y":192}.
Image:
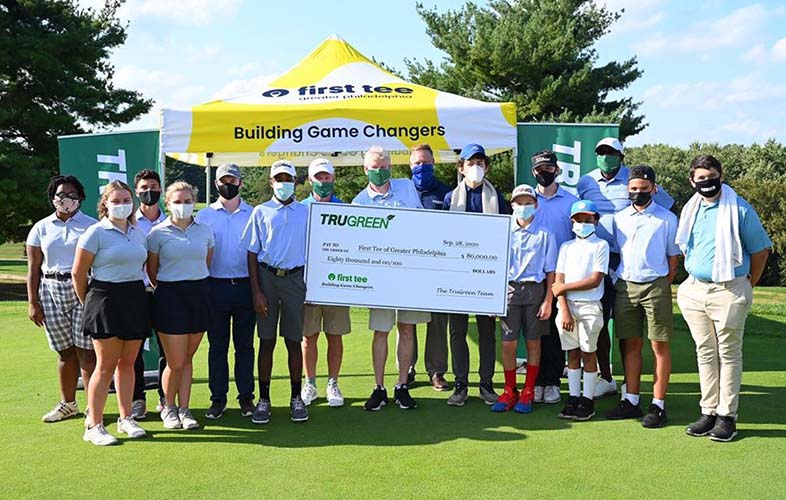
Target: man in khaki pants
{"x":725,"y":249}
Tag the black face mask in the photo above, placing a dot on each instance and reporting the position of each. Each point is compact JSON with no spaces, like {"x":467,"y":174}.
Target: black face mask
{"x":708,"y":188}
{"x":228,"y":191}
{"x":149,"y":197}
{"x":545,"y":178}
{"x":641,"y":198}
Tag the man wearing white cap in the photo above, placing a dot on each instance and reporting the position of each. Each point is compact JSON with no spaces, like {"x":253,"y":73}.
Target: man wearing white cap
{"x":607,"y":187}
{"x":333,"y":320}
{"x":230,"y":295}
{"x":275,"y":239}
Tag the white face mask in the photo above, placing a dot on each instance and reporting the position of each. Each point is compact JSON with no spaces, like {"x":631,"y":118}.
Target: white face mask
{"x":474,"y":173}
{"x":283,"y":190}
{"x":118,"y":210}
{"x":181,"y":210}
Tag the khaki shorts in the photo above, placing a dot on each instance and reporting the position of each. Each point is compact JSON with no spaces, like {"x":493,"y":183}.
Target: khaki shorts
{"x":588,"y":319}
{"x":644,"y":304}
{"x":333,"y":320}
{"x":383,"y":320}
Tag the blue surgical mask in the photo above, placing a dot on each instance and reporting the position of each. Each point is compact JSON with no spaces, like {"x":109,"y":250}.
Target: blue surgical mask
{"x":524,"y":212}
{"x":423,"y":176}
{"x":283,"y":190}
{"x":583,"y":229}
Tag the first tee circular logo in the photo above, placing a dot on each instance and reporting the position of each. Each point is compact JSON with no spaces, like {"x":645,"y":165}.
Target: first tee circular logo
{"x":275,"y":93}
{"x":331,"y":276}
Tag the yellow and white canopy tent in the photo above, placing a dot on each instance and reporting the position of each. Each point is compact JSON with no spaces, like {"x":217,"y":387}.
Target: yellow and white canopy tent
{"x":335,"y":103}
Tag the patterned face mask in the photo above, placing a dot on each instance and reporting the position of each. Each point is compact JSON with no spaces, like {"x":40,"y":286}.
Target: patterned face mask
{"x":65,"y":205}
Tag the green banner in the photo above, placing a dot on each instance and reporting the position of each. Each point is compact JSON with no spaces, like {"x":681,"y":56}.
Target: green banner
{"x":574,"y":144}
{"x":98,"y":159}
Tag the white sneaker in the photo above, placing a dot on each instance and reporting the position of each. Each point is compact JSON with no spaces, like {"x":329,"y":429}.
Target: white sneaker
{"x":187,"y":420}
{"x":551,"y":395}
{"x":160,"y":405}
{"x":334,"y":396}
{"x":61,"y":411}
{"x":604,"y":388}
{"x":129,"y":426}
{"x":170,"y":418}
{"x":99,"y":436}
{"x":139,"y":409}
{"x":309,"y":393}
{"x":538,"y":394}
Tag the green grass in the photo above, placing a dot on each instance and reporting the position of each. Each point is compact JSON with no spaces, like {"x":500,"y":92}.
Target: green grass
{"x":432,"y":452}
{"x":12,"y":251}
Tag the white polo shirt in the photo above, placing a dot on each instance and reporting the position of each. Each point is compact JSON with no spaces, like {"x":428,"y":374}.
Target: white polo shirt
{"x":578,"y":259}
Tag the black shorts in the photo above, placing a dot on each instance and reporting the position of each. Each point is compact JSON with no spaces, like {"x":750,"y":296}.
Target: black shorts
{"x":181,"y":307}
{"x":119,"y":310}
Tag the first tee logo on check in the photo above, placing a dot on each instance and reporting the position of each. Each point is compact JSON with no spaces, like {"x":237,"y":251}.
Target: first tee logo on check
{"x":401,"y":258}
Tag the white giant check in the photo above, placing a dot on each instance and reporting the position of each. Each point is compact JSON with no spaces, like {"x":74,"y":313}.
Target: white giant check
{"x":400,"y":258}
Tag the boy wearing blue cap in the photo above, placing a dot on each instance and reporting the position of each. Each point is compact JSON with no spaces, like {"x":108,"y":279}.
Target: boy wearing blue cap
{"x":578,"y":286}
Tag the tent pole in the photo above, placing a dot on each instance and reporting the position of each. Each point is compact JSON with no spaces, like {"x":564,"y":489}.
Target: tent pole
{"x":515,"y":166}
{"x":209,"y":158}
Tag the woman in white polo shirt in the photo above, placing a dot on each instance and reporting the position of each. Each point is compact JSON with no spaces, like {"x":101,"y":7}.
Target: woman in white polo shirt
{"x":117,"y":309}
{"x":53,"y":303}
{"x":179,"y":254}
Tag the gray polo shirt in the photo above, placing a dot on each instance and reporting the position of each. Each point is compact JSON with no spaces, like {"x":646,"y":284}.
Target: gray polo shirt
{"x":57,"y":240}
{"x":119,"y":256}
{"x":182,"y":254}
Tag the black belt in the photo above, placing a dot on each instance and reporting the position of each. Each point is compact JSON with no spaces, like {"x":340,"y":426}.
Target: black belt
{"x":231,"y":281}
{"x":280,"y":272}
{"x":58,"y":276}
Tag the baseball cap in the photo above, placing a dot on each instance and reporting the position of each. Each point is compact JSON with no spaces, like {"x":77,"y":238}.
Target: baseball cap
{"x":642,"y":172}
{"x":544,"y":157}
{"x":320,"y":165}
{"x":523,"y":190}
{"x":583,"y":207}
{"x":282,"y":167}
{"x":229,"y":169}
{"x":611,"y":142}
{"x":471,"y":150}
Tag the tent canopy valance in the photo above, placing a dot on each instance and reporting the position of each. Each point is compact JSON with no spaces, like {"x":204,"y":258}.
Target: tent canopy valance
{"x":334,"y":103}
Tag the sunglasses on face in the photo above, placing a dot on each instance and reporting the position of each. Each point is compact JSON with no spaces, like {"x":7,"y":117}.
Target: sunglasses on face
{"x":62,"y":196}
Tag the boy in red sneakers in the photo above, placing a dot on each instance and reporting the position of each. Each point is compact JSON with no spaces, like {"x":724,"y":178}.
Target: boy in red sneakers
{"x":581,"y":268}
{"x":533,"y":259}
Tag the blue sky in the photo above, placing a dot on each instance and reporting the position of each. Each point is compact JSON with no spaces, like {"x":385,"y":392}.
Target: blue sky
{"x":714,"y":71}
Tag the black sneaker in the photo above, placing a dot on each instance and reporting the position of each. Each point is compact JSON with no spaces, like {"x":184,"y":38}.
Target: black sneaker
{"x":377,"y":400}
{"x":459,"y":396}
{"x":216,"y":410}
{"x":655,"y":417}
{"x":725,"y":429}
{"x":246,"y":407}
{"x":624,"y":410}
{"x":403,"y":399}
{"x":702,"y":426}
{"x":411,"y":375}
{"x":569,"y":411}
{"x":585,"y":409}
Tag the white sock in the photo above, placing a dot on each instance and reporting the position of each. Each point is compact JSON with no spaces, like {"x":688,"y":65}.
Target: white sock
{"x":633,"y":398}
{"x":589,"y":384}
{"x":574,"y":382}
{"x":659,"y":403}
{"x":332,"y":380}
{"x":623,"y":391}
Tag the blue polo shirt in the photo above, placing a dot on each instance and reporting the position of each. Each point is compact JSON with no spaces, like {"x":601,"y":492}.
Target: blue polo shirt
{"x":610,"y":196}
{"x":57,"y":240}
{"x":310,"y":199}
{"x":182,"y":253}
{"x":229,"y":258}
{"x":119,"y":256}
{"x":433,"y":197}
{"x":646,"y":241}
{"x":700,"y":251}
{"x":146,"y":225}
{"x":277,"y":234}
{"x":475,"y":200}
{"x":402,"y":193}
{"x":533,"y":252}
{"x":554,"y":213}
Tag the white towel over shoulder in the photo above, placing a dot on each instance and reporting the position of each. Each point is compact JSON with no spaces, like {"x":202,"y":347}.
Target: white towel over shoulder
{"x":728,"y":246}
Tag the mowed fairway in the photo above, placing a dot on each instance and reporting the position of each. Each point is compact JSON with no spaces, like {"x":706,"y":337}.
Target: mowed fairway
{"x":434,"y":451}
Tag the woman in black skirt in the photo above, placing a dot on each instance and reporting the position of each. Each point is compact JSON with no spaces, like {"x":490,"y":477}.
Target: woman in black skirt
{"x":116,"y":307}
{"x":179,"y":253}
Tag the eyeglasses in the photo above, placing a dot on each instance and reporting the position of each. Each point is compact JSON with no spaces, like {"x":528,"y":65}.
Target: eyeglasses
{"x":63,"y":195}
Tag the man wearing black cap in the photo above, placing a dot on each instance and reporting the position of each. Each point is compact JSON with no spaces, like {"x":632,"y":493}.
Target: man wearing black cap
{"x":554,"y":212}
{"x":645,"y":234}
